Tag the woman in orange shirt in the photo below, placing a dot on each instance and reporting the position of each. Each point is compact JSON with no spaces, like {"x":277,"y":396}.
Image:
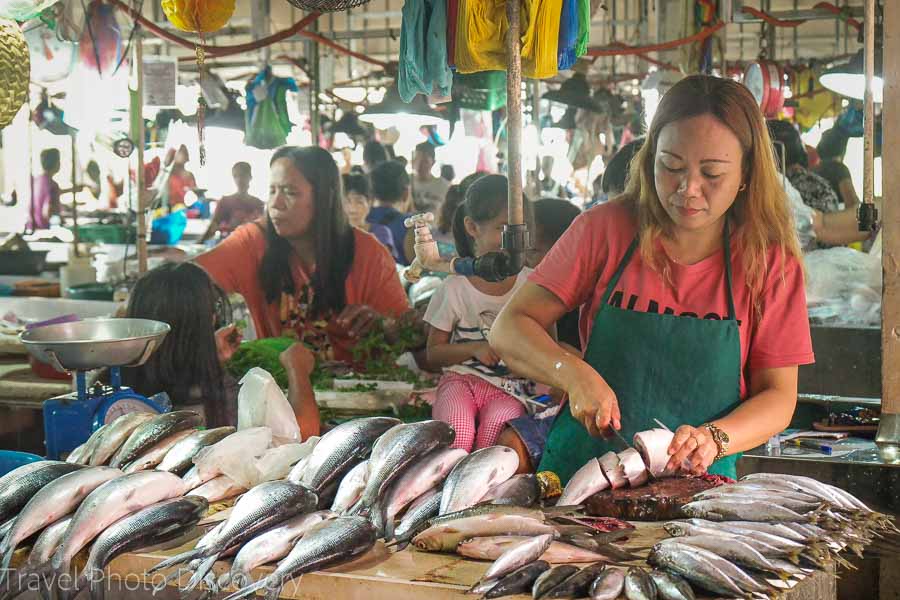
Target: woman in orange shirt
{"x":303,"y":268}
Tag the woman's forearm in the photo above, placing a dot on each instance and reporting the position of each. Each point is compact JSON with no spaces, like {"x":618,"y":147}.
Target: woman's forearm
{"x":530,"y":351}
{"x":757,"y":419}
{"x":303,"y":400}
{"x":445,"y":355}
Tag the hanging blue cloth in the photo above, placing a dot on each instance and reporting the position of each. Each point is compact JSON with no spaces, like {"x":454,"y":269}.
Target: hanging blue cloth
{"x":568,"y":35}
{"x":423,"y":50}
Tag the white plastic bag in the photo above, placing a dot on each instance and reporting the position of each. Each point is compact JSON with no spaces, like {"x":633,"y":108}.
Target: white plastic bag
{"x":261,"y":403}
{"x":234,"y":454}
{"x":803,"y":217}
{"x":843,"y":286}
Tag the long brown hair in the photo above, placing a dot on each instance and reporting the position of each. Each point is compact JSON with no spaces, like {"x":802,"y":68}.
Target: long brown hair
{"x":760,"y":212}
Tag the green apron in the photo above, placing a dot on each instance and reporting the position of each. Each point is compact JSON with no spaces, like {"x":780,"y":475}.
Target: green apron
{"x":680,"y":370}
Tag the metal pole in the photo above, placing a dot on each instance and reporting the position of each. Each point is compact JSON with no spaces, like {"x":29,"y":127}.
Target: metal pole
{"x":137,"y":130}
{"x":514,"y":113}
{"x":74,"y":199}
{"x":888,"y":437}
{"x":869,"y":99}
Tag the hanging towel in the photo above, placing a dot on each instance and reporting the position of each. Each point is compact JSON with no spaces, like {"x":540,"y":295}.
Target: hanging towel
{"x":540,"y":37}
{"x":423,"y":65}
{"x":568,"y":34}
{"x":584,"y":27}
{"x":480,"y":30}
{"x":452,"y":16}
{"x":267,"y":121}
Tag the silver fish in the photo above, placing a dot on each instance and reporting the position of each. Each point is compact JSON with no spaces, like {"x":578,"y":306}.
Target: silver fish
{"x":50,"y":504}
{"x":797,"y":505}
{"x":734,"y":573}
{"x":340,"y":449}
{"x":350,"y":488}
{"x":270,"y":546}
{"x":493,"y":547}
{"x":328,"y":544}
{"x":756,"y":489}
{"x":517,"y":556}
{"x":193,"y":479}
{"x":262,"y":507}
{"x":475,"y":474}
{"x":735,"y":509}
{"x":179,"y":458}
{"x":19,"y":485}
{"x":735,"y":550}
{"x":608,"y":585}
{"x":110,"y":502}
{"x":151,"y":432}
{"x":114,"y":434}
{"x":444,"y":535}
{"x":671,"y":587}
{"x":779,"y":529}
{"x":550,"y":579}
{"x":82,"y":454}
{"x":587,"y":481}
{"x":47,"y":543}
{"x":219,"y":488}
{"x":765,"y":544}
{"x":421,"y":476}
{"x":692,"y":564}
{"x":518,"y":490}
{"x":579,"y":584}
{"x":639,"y":585}
{"x":152,"y":525}
{"x":417,"y":517}
{"x":519,"y":581}
{"x":393,"y":452}
{"x":829,"y":493}
{"x":156,"y":453}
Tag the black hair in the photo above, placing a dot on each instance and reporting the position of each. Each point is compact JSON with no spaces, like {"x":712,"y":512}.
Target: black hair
{"x":184,"y":296}
{"x":93,"y":170}
{"x":456,"y":194}
{"x":334,"y":241}
{"x":615,"y":176}
{"x":426,"y":148}
{"x":448,"y":172}
{"x":244,"y":166}
{"x":485,"y":199}
{"x":552,"y":216}
{"x":50,"y":159}
{"x":789,"y":142}
{"x":833,"y":144}
{"x":374,"y":153}
{"x":389,"y":182}
{"x":357,"y":183}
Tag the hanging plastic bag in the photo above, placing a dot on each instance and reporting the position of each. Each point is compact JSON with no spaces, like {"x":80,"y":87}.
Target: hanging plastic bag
{"x":261,"y":403}
{"x":232,"y":454}
{"x":22,"y":10}
{"x":100,"y":46}
{"x":844,"y":286}
{"x":803,"y":217}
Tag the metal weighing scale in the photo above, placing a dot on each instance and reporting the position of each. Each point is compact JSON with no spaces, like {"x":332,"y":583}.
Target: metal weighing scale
{"x":83,"y":346}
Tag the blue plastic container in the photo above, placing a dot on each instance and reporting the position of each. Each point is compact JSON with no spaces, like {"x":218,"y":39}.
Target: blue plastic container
{"x":168,"y":230}
{"x":10,"y":460}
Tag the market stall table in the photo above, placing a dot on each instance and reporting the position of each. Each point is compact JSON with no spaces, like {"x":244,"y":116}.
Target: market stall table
{"x":412,"y":574}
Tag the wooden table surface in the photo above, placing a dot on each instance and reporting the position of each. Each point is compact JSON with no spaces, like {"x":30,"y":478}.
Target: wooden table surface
{"x":411,"y":574}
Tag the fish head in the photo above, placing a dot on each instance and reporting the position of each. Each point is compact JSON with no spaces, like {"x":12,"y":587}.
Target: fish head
{"x":675,"y":529}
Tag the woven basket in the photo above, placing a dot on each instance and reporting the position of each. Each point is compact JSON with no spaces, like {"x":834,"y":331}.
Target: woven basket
{"x":15,"y":71}
{"x":327,"y":5}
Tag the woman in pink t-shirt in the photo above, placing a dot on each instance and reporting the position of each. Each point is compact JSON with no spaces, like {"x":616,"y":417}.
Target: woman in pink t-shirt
{"x":691,"y":291}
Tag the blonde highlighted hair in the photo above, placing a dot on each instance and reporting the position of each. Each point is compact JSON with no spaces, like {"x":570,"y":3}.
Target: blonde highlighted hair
{"x":760,"y":213}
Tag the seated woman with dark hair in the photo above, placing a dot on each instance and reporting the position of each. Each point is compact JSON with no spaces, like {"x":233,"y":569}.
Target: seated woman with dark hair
{"x":304,"y":270}
{"x":790,"y":152}
{"x":188,"y":365}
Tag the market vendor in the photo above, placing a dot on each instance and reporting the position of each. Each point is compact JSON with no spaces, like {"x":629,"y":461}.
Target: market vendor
{"x":691,"y":293}
{"x":303,"y":269}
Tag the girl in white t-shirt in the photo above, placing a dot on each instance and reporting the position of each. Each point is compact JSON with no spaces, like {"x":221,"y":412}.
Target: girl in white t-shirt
{"x":477,"y":394}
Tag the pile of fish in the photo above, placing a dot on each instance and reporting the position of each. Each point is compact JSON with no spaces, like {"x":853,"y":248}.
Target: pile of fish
{"x":632,"y":467}
{"x":748,"y":538}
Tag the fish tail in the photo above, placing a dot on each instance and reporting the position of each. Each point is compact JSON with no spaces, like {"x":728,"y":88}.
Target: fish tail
{"x":175,"y":560}
{"x":173,"y":576}
{"x":389,"y":529}
{"x":96,"y":590}
{"x":274,"y":592}
{"x":250,"y":590}
{"x":201,"y":573}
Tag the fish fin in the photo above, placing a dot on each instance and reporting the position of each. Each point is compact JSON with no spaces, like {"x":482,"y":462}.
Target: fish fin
{"x":201,"y":573}
{"x":274,"y":592}
{"x":173,"y":576}
{"x":250,"y":590}
{"x":7,"y":553}
{"x":175,"y":560}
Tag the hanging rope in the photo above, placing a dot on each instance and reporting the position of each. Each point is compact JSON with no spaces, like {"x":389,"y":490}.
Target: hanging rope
{"x":637,"y":50}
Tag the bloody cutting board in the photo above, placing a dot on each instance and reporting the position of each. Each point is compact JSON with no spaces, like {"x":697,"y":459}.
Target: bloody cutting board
{"x":657,"y":501}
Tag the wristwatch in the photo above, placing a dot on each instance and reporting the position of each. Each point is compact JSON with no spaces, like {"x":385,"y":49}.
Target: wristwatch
{"x":720,"y":438}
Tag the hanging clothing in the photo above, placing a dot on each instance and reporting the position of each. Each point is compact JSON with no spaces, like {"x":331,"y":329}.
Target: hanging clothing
{"x":568,"y":35}
{"x":584,"y":27}
{"x":423,"y":67}
{"x":452,"y":16}
{"x":481,"y":30}
{"x":267,"y":121}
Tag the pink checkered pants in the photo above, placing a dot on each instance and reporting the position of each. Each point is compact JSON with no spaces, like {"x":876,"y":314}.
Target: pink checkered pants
{"x":466,"y":400}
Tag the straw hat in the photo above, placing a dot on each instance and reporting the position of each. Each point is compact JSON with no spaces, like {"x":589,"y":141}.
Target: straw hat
{"x":15,"y":70}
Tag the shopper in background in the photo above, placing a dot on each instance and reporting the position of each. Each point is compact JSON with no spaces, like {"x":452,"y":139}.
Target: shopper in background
{"x":357,"y":202}
{"x":374,"y":153}
{"x":789,"y":151}
{"x":181,"y":181}
{"x":45,"y":192}
{"x":448,"y":173}
{"x":234,"y":210}
{"x":428,"y":191}
{"x":831,"y":149}
{"x":390,"y":189}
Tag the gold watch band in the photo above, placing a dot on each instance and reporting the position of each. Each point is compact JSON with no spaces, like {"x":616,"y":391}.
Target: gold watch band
{"x":720,"y":438}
